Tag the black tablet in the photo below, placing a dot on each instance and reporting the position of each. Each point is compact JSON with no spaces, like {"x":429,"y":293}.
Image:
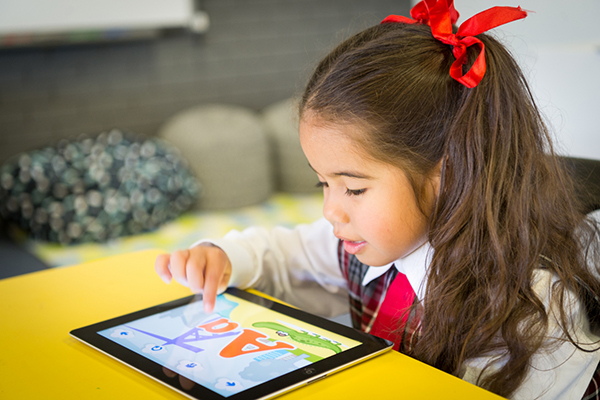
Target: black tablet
{"x":249,"y":347}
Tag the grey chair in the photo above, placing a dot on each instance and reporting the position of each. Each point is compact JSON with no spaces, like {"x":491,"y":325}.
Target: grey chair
{"x":586,"y":174}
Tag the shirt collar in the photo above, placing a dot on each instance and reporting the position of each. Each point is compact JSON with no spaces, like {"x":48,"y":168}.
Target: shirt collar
{"x":414,"y":266}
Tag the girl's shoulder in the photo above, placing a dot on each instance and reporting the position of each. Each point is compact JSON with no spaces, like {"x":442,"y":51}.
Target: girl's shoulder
{"x":546,"y":283}
{"x":561,"y":303}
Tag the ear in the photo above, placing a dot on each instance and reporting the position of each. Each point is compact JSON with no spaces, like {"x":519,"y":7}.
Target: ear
{"x":431,"y":188}
{"x":435,"y":177}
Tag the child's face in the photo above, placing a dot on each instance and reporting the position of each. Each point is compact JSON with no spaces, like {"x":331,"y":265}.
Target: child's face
{"x":371,"y":205}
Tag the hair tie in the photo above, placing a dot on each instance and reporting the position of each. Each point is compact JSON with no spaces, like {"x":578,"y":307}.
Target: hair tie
{"x":440,"y":17}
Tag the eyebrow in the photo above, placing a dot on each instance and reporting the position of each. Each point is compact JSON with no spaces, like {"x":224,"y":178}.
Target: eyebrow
{"x":349,"y":174}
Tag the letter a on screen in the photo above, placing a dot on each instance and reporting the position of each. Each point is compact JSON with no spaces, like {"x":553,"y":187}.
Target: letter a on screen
{"x":250,"y":337}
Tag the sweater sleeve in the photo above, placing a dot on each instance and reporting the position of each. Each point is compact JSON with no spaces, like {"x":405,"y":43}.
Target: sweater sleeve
{"x":298,"y":265}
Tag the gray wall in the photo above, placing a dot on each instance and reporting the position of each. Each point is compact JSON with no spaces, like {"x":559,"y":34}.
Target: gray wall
{"x":558,"y":48}
{"x":256,"y":52}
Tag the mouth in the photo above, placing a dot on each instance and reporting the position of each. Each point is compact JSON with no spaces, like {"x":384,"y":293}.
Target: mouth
{"x":353,"y":247}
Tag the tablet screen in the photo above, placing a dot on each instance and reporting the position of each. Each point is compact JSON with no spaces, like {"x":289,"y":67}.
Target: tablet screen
{"x":238,"y":346}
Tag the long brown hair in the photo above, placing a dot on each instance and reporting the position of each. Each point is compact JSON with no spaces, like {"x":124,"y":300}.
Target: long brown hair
{"x":505,"y":207}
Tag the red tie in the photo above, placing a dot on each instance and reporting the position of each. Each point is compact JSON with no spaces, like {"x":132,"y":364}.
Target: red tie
{"x":393,"y":313}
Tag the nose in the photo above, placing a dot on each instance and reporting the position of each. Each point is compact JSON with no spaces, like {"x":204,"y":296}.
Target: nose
{"x":333,"y":210}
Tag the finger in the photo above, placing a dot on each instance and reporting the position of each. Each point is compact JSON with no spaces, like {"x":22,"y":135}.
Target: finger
{"x":225,"y":280}
{"x":195,"y":267}
{"x":169,"y":373}
{"x":210,"y":290}
{"x":226,"y":275}
{"x":186,"y":383}
{"x":213,"y":277}
{"x":178,"y":266}
{"x":161,"y":266}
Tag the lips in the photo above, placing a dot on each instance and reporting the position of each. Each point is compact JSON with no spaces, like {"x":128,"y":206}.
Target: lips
{"x":354,"y":247}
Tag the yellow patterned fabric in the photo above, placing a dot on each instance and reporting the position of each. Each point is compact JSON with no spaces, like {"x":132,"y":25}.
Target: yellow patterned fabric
{"x":282,"y":209}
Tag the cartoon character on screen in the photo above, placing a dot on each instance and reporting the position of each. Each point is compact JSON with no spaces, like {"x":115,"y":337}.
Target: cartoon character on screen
{"x":447,"y":216}
{"x":299,"y":336}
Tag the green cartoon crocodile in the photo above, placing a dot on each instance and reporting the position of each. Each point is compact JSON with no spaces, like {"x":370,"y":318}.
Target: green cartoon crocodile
{"x":300,"y":337}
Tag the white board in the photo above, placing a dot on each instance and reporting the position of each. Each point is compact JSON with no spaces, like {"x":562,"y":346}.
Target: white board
{"x":59,"y":16}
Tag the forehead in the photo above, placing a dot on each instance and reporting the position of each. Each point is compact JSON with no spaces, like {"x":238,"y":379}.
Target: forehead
{"x":335,"y":138}
{"x":332,"y":147}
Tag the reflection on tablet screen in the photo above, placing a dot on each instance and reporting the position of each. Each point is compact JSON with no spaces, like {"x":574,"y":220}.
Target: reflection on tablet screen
{"x":238,"y":346}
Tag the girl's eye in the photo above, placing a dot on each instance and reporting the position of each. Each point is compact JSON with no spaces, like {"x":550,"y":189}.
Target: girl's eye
{"x":357,"y":192}
{"x":349,"y":192}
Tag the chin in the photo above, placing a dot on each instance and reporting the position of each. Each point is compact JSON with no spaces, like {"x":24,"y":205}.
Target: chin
{"x":373,"y":261}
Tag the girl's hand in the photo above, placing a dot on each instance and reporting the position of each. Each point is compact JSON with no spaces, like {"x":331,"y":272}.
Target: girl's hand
{"x":204,"y":269}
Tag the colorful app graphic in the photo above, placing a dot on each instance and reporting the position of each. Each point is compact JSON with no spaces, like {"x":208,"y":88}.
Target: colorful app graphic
{"x":238,"y":346}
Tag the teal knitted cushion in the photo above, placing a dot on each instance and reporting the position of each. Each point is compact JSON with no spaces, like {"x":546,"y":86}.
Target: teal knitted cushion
{"x":96,"y":188}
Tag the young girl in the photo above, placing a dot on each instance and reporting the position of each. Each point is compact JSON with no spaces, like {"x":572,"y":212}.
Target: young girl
{"x":448,"y":219}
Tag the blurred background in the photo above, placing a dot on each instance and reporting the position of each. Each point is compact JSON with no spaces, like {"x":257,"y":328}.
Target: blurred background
{"x":73,"y":67}
{"x":558,"y":47}
{"x":69,"y":67}
{"x":86,"y":76}
{"x":80,"y":67}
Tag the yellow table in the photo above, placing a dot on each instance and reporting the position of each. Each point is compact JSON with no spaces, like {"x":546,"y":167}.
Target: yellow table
{"x":39,"y":360}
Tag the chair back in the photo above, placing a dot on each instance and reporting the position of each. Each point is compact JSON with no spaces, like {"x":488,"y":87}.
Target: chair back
{"x":586,"y":173}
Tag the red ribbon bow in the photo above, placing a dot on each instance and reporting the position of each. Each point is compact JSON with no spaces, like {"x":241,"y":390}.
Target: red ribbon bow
{"x":440,"y":17}
{"x":420,"y":13}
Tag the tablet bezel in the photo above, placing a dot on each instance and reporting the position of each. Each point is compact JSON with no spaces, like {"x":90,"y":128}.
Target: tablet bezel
{"x":370,"y":346}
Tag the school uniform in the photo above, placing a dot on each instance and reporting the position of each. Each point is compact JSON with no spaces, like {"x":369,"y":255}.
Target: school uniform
{"x":290,"y":263}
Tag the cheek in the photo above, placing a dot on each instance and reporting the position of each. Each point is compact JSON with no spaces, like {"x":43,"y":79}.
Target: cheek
{"x":384,"y":226}
{"x":414,"y":223}
{"x":406,"y":226}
